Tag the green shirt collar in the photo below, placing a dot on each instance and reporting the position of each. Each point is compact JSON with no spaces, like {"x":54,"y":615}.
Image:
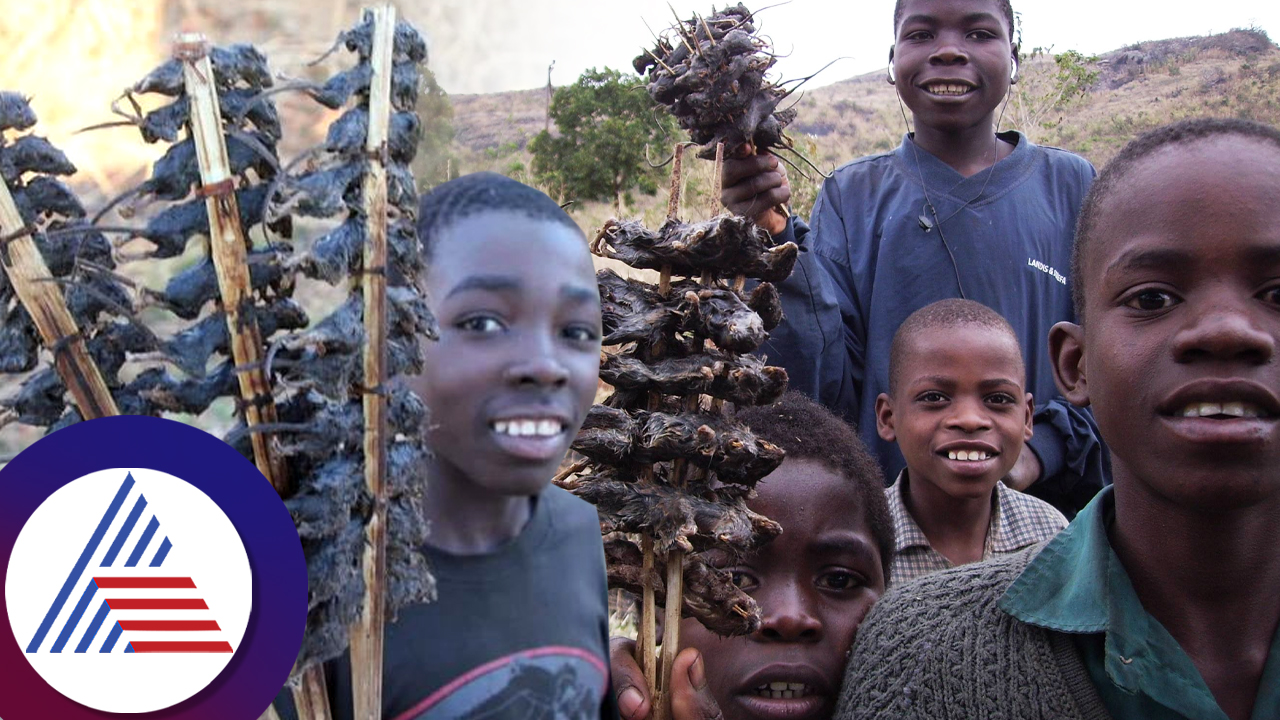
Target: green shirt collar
{"x":1077,"y":585}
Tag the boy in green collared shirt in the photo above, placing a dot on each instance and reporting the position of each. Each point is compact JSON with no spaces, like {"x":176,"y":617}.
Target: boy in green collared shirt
{"x":1162,"y":598}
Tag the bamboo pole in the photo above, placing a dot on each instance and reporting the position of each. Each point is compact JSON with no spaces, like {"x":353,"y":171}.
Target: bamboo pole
{"x":366,"y":635}
{"x":228,"y":248}
{"x":43,"y":300}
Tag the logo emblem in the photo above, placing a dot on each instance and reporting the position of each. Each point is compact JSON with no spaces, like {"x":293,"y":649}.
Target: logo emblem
{"x":210,"y":556}
{"x":129,"y":590}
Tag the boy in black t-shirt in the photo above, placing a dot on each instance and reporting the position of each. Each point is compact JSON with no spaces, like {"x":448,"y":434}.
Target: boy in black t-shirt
{"x":520,"y":626}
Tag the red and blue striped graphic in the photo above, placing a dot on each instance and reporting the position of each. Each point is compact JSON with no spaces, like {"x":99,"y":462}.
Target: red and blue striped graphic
{"x":122,"y":589}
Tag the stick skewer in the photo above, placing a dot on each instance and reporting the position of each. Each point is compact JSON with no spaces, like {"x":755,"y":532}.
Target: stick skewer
{"x":366,"y":635}
{"x":228,"y":247}
{"x":44,"y":302}
{"x":675,"y":558}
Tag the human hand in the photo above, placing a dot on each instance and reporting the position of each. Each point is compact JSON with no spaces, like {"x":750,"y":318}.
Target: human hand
{"x":690,"y":694}
{"x":755,"y":186}
{"x":1025,"y":472}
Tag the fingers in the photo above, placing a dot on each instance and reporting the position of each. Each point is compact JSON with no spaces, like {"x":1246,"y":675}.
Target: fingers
{"x":737,"y":169}
{"x":628,"y":681}
{"x":753,"y":185}
{"x":691,"y":697}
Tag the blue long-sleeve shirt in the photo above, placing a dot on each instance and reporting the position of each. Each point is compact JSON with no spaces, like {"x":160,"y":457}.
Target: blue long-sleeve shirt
{"x":870,"y":263}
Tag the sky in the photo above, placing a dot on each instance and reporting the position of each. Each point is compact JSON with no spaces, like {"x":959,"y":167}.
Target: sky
{"x":481,"y":46}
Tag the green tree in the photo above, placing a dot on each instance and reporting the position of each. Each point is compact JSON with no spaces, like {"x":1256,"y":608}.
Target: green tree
{"x":1045,"y":93}
{"x":435,"y":162}
{"x":604,"y":122}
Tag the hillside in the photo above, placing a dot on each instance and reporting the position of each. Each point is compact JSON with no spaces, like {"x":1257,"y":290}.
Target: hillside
{"x":1138,"y":87}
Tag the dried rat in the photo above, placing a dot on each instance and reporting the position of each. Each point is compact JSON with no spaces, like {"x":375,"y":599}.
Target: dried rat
{"x":31,"y":153}
{"x":724,"y":244}
{"x":15,"y":111}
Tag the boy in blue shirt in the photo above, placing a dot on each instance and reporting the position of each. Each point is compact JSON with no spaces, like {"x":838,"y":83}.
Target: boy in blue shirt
{"x":955,"y":211}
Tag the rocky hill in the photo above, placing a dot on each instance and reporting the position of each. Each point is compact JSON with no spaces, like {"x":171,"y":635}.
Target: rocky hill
{"x":1133,"y":89}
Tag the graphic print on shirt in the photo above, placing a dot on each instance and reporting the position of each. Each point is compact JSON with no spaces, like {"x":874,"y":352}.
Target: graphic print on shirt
{"x":1047,"y":270}
{"x":552,"y":683}
{"x":129,"y":590}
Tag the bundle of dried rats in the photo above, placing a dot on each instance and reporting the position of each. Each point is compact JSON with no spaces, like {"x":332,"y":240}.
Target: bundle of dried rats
{"x":711,"y":72}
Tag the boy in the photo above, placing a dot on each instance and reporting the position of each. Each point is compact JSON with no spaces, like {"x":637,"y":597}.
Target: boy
{"x":957,"y":410}
{"x":520,"y":625}
{"x":1162,"y":598}
{"x":814,"y":582}
{"x":955,"y":211}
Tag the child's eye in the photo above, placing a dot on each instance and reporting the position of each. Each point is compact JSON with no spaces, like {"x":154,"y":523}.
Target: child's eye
{"x":480,"y":324}
{"x":917,"y":35}
{"x":581,"y":333}
{"x":982,"y":35}
{"x":838,"y":580}
{"x":1001,"y":399}
{"x":1271,"y":295}
{"x":743,"y":580}
{"x":1152,"y":300}
{"x":932,"y":396}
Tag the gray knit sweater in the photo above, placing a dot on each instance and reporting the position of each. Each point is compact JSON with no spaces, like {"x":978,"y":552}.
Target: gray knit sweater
{"x":940,"y":647}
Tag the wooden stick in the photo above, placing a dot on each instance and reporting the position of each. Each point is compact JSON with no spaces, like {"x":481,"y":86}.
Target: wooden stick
{"x":48,"y":309}
{"x":311,"y":697}
{"x":648,"y":645}
{"x":675,"y":558}
{"x":717,"y":180}
{"x":366,"y":635}
{"x":228,"y":248}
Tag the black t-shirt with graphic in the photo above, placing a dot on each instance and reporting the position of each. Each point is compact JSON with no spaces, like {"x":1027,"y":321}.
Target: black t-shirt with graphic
{"x":519,"y":633}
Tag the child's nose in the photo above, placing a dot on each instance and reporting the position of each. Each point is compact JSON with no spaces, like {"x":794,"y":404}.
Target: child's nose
{"x":969,"y":416}
{"x":787,"y":618}
{"x":537,"y":369}
{"x":1225,"y":330}
{"x":949,"y":51}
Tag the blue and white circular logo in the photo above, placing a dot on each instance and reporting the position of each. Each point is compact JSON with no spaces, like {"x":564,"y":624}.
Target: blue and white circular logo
{"x":129,"y":590}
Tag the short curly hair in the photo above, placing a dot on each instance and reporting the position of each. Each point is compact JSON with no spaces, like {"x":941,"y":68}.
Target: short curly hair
{"x":809,"y":431}
{"x":460,"y":198}
{"x":950,"y":313}
{"x":1112,"y":178}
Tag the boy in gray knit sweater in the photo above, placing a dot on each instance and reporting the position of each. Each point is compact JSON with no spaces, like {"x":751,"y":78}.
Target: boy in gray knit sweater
{"x":1162,"y":598}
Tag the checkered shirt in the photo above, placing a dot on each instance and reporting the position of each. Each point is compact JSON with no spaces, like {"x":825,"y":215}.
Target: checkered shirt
{"x":1017,"y":521}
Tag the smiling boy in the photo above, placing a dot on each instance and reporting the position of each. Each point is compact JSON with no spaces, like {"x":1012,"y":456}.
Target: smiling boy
{"x":956,"y":211}
{"x":520,"y":626}
{"x":1162,"y":598}
{"x":957,"y":409}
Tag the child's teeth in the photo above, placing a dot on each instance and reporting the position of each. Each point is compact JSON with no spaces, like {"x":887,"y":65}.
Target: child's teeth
{"x":548,"y":427}
{"x":777,"y":686}
{"x":1234,"y":408}
{"x":953,"y":455}
{"x":528,"y":427}
{"x":500,"y":427}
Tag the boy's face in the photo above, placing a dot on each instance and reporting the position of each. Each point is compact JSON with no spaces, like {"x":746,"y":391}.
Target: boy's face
{"x":1177,"y":355}
{"x":952,"y":60}
{"x":814,"y":583}
{"x":959,"y":414}
{"x":515,"y":370}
